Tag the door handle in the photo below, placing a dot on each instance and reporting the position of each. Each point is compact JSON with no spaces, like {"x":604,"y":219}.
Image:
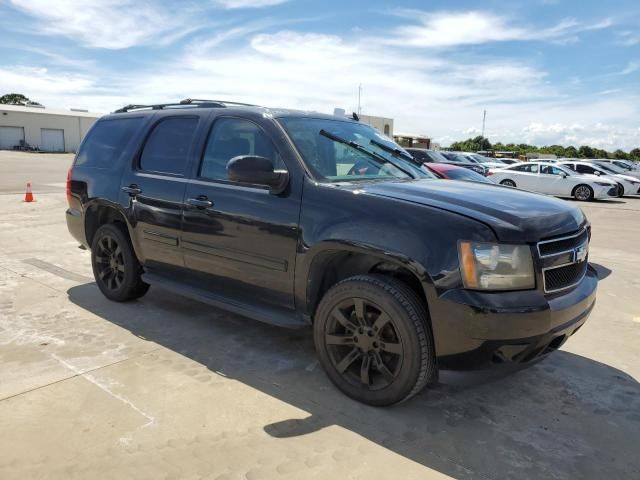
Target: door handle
{"x":200,"y":202}
{"x":132,"y":190}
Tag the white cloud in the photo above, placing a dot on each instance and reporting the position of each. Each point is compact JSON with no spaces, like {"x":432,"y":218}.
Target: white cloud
{"x":232,"y":4}
{"x":425,"y":91}
{"x":111,"y":24}
{"x":628,"y":38}
{"x":448,"y":29}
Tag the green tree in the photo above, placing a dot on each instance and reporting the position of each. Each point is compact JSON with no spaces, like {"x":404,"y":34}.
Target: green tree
{"x":585,"y":152}
{"x":619,"y":154}
{"x":16,"y":99}
{"x":635,"y":154}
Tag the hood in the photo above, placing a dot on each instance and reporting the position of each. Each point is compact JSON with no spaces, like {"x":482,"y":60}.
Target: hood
{"x":514,"y":215}
{"x":599,"y":178}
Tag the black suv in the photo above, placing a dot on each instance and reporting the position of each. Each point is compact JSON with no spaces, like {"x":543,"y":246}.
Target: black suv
{"x":304,"y":219}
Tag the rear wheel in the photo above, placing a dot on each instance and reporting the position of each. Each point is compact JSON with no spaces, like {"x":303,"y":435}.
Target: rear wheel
{"x":584,"y":193}
{"x":508,"y":183}
{"x":115,"y":267}
{"x":373,"y":340}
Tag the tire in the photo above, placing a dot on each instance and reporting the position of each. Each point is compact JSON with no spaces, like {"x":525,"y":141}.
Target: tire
{"x":583,"y":193}
{"x":620,"y":190}
{"x":375,"y":363}
{"x":115,"y":266}
{"x":508,"y":183}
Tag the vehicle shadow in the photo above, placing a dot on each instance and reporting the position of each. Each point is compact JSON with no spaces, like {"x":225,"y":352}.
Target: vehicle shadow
{"x":565,"y":417}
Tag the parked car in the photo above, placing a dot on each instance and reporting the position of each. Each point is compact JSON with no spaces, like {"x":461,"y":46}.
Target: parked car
{"x":626,"y":184}
{"x":449,"y":171}
{"x":422,"y":155}
{"x":630,"y":166}
{"x":302,"y":219}
{"x":509,"y":161}
{"x":543,"y":177}
{"x":613,"y":168}
{"x":481,"y":160}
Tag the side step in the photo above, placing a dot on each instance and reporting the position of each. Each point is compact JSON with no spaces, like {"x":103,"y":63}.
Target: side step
{"x":273,"y":316}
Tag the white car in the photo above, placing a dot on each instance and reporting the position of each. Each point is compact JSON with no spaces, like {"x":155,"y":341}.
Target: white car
{"x":482,"y":160}
{"x":627,"y":185}
{"x":612,"y":167}
{"x":544,"y":177}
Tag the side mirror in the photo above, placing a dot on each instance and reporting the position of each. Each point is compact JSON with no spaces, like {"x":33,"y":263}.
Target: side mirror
{"x":257,"y":171}
{"x":597,"y":173}
{"x":564,"y":175}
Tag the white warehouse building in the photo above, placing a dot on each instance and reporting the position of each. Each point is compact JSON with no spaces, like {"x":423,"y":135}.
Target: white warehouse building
{"x":47,"y":129}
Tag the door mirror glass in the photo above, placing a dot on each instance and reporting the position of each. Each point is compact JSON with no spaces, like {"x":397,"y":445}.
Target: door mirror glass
{"x":257,"y":170}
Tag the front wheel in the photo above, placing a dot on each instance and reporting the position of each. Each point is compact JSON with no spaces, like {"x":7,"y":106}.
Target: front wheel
{"x":620,"y":191}
{"x":115,"y":267}
{"x":373,"y":340}
{"x":508,"y":183}
{"x":584,"y":193}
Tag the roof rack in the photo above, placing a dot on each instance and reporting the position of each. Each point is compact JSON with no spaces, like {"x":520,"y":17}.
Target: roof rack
{"x":187,"y":102}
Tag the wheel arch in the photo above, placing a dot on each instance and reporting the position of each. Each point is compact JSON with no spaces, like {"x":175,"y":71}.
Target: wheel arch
{"x":333,"y":262}
{"x":99,"y":213}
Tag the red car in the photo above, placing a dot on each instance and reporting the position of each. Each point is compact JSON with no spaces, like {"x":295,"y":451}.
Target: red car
{"x":453,"y":172}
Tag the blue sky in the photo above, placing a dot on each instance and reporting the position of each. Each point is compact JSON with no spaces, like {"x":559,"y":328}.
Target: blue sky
{"x":546,"y":71}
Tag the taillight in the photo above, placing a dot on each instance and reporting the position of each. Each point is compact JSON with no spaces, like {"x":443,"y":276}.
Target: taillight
{"x":69,"y":186}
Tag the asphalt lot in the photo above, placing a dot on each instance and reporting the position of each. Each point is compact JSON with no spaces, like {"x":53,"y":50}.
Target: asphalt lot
{"x":165,"y":387}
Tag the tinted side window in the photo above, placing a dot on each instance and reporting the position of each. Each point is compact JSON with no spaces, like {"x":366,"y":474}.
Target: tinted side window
{"x":418,"y":155}
{"x":232,"y":137}
{"x":168,"y":145}
{"x":106,"y":141}
{"x":584,"y":169}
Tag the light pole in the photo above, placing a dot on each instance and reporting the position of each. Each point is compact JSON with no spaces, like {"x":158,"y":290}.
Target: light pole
{"x":484,"y":119}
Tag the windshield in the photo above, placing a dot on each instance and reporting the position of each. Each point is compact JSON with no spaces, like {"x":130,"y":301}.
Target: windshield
{"x":611,"y":168}
{"x":624,"y":165}
{"x":466,"y":175}
{"x":481,"y":159}
{"x":340,"y":151}
{"x":456,"y":157}
{"x":437,"y":157}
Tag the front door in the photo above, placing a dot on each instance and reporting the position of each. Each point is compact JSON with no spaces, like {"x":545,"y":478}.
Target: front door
{"x":240,"y":240}
{"x":154,"y":190}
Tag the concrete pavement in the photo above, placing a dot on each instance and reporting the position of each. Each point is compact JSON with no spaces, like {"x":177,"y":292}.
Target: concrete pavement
{"x":165,"y":387}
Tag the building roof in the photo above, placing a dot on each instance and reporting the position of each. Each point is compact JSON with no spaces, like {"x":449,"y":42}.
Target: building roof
{"x":48,"y":111}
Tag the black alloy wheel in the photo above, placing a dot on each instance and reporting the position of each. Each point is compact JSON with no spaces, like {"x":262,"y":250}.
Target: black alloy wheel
{"x":110,"y":262}
{"x":115,"y":267}
{"x":508,"y":183}
{"x":374,"y":340}
{"x":364,"y":344}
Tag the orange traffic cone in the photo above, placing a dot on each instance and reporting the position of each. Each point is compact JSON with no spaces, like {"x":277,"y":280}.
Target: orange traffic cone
{"x":28,"y":196}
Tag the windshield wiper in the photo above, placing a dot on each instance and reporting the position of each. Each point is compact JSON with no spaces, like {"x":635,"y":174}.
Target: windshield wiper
{"x":365,"y":150}
{"x":394,"y":151}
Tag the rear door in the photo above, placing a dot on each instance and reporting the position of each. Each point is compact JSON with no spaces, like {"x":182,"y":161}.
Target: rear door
{"x":239,"y":240}
{"x":154,"y":189}
{"x":525,"y":176}
{"x":554,"y":182}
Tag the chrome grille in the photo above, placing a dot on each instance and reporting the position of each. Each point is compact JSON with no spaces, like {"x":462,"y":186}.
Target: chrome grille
{"x":564,"y":260}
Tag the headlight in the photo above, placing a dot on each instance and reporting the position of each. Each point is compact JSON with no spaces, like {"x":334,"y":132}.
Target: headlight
{"x":602,"y":184}
{"x":494,"y":266}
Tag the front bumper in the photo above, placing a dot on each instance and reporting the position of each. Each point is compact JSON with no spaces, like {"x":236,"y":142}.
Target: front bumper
{"x":605,"y":192}
{"x":477,"y":329}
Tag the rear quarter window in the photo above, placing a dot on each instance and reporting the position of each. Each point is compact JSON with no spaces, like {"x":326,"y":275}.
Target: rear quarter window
{"x":106,"y":141}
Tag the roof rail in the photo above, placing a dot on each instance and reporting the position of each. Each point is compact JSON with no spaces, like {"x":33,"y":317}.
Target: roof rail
{"x":187,"y":102}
